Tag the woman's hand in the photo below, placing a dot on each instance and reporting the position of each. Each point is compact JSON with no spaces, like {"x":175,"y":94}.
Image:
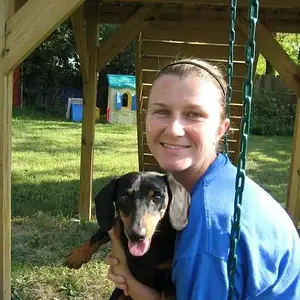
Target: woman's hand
{"x":118,"y":271}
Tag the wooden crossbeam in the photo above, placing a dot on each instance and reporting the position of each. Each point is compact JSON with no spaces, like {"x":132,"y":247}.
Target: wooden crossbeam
{"x":274,"y":53}
{"x":263,"y":3}
{"x":120,"y":39}
{"x":31,"y":24}
{"x":78,"y":23}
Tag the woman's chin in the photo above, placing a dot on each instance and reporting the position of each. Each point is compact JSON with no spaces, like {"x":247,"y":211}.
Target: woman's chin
{"x":174,"y":166}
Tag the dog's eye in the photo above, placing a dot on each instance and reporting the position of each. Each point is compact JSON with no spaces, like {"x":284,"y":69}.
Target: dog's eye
{"x":157,"y":197}
{"x":124,"y":198}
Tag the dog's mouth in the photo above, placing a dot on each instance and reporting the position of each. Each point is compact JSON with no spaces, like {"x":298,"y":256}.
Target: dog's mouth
{"x":139,"y":248}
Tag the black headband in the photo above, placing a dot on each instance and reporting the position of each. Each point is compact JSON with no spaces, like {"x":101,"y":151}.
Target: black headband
{"x":186,"y":62}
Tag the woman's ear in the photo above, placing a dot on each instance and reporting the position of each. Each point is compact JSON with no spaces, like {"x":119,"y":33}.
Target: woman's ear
{"x":223,"y":128}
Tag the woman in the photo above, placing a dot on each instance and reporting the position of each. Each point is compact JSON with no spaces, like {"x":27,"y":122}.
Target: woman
{"x":184,"y":124}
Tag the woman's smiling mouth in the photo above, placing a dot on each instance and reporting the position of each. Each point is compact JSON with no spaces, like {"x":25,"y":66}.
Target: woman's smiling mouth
{"x":174,"y":146}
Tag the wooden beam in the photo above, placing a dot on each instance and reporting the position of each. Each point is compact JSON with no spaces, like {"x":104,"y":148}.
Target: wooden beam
{"x":293,"y":192}
{"x":156,"y":63}
{"x":139,"y":99}
{"x":6,"y":91}
{"x":263,"y":3}
{"x":149,"y":75}
{"x":79,"y":28}
{"x":274,"y":53}
{"x":89,"y":110}
{"x":205,"y":51}
{"x":214,"y":33}
{"x":120,"y":39}
{"x":31,"y":24}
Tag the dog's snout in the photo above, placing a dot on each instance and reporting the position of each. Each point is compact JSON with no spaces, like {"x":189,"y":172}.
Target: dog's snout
{"x":137,"y":234}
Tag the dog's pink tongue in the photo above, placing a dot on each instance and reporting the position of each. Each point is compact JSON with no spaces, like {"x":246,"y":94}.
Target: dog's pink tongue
{"x":138,"y":248}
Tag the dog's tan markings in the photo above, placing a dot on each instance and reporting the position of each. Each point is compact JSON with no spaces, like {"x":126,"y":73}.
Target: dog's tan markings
{"x":151,"y":222}
{"x":165,"y":265}
{"x":130,"y":191}
{"x":150,"y":195}
{"x":78,"y":256}
{"x":125,"y":219}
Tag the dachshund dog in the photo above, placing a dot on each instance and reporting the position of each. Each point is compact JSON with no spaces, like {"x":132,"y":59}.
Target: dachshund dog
{"x":150,"y":208}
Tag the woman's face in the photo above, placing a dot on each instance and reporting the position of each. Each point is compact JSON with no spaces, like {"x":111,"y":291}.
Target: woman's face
{"x":183,"y":124}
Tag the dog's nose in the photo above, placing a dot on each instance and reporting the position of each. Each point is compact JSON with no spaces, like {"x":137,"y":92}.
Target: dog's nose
{"x":137,"y":234}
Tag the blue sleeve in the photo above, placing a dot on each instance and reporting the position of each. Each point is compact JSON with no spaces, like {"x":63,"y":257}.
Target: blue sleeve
{"x":200,"y":277}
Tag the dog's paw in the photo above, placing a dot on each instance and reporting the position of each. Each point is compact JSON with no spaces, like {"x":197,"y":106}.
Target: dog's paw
{"x":78,"y":256}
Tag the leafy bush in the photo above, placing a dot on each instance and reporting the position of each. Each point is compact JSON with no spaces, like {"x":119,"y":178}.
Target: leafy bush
{"x":273,"y":114}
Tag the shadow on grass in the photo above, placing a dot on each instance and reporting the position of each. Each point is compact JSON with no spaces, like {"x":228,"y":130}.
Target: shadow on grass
{"x":52,"y":198}
{"x":42,"y":231}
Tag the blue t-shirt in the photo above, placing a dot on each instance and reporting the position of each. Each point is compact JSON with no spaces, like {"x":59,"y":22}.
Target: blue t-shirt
{"x":268,"y":250}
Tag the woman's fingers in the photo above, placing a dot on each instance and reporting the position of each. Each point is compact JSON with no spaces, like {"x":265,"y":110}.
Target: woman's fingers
{"x":110,"y":260}
{"x":118,"y":280}
{"x":117,"y":247}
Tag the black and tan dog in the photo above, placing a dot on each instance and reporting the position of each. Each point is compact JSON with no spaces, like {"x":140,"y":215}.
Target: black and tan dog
{"x":151,"y":208}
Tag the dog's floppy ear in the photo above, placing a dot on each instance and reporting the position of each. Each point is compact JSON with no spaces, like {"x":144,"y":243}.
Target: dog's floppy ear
{"x":104,"y":204}
{"x":180,"y":202}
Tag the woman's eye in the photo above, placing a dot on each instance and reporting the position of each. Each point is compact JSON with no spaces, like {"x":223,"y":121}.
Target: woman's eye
{"x":162,"y":112}
{"x":194,"y":115}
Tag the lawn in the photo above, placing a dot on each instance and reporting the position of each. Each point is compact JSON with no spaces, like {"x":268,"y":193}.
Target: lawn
{"x":45,"y":191}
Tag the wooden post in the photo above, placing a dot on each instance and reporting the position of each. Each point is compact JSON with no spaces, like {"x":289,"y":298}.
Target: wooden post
{"x":139,"y":107}
{"x":6,"y":95}
{"x":293,"y":193}
{"x":89,"y":110}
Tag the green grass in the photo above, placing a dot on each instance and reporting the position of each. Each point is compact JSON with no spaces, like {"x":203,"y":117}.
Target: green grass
{"x":45,"y":191}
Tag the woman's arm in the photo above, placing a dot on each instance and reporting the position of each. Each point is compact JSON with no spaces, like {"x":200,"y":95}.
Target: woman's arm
{"x":120,"y":274}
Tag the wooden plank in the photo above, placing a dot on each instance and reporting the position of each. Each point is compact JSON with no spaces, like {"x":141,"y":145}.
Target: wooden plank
{"x":32,"y":23}
{"x":293,"y":192}
{"x":89,"y":109}
{"x":157,"y":63}
{"x":78,"y":23}
{"x":243,"y":3}
{"x":237,"y":95}
{"x":148,"y":77}
{"x":214,"y":33}
{"x":274,"y":53}
{"x":120,"y":39}
{"x":276,"y":22}
{"x":6,"y":93}
{"x":205,"y":51}
{"x":153,"y":168}
{"x":139,"y":115}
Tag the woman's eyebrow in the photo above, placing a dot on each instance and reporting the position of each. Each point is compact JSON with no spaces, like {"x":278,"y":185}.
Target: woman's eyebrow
{"x":159,"y":104}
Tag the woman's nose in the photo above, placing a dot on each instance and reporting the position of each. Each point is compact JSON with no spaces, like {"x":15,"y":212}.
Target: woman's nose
{"x":175,"y":128}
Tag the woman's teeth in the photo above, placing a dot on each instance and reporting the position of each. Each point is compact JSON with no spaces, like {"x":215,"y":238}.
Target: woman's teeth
{"x":170,"y":146}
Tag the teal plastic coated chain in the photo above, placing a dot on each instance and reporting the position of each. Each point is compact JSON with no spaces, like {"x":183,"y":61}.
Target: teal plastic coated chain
{"x":245,"y":126}
{"x":230,"y":66}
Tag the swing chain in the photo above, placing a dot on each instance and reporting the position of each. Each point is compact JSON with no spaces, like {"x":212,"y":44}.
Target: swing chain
{"x":245,"y":126}
{"x":230,"y":66}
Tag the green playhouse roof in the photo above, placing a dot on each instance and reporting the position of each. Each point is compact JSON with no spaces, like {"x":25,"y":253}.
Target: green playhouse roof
{"x":121,"y":81}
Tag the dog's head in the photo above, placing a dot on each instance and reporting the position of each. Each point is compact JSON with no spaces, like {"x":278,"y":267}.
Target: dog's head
{"x":142,"y":199}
